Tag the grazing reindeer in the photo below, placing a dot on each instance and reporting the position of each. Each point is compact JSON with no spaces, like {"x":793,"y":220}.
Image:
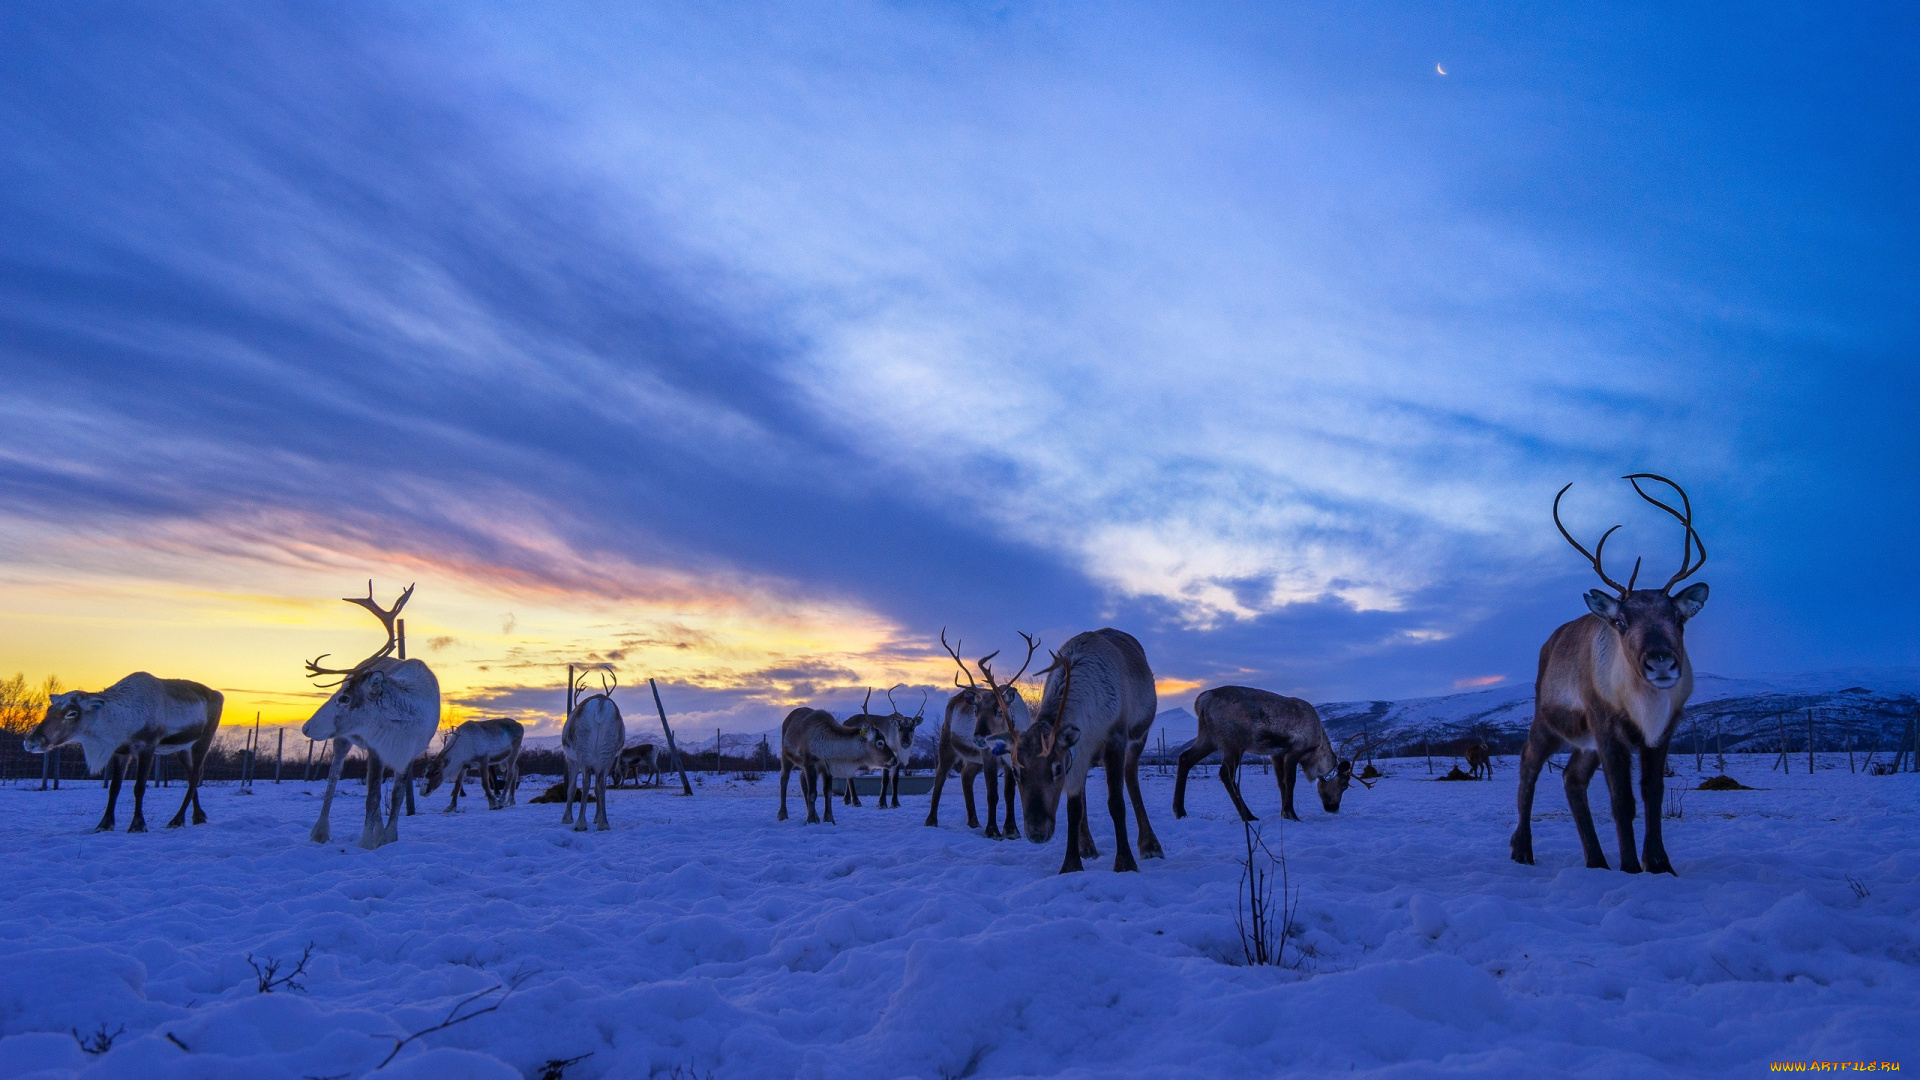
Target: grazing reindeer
{"x":1236,"y":719}
{"x":1479,"y":758}
{"x":1098,"y":706}
{"x":389,"y":708}
{"x":481,"y":745}
{"x":812,"y":741}
{"x":638,"y":759}
{"x":977,"y":734}
{"x":592,"y":740}
{"x":1612,"y":681}
{"x":134,"y":719}
{"x":899,"y":729}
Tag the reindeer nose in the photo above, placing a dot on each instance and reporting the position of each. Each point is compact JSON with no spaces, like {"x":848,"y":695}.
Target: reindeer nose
{"x":1662,"y":669}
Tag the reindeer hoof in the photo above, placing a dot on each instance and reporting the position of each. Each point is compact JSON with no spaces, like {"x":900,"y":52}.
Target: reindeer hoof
{"x":199,"y":818}
{"x":319,"y":835}
{"x":176,"y":823}
{"x":138,"y":826}
{"x":602,"y":826}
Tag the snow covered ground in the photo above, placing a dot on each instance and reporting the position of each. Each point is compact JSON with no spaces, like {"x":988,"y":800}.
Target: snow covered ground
{"x":702,"y":938}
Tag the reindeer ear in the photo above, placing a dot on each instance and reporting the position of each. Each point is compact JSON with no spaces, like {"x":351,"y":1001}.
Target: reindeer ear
{"x":1346,"y":767}
{"x":997,"y":746}
{"x":95,"y":704}
{"x":1068,"y":736}
{"x":1691,"y":599}
{"x":1601,"y":604}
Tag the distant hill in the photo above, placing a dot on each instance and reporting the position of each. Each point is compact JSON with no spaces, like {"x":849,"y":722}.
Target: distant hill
{"x":1867,"y":709}
{"x":1870,"y":708}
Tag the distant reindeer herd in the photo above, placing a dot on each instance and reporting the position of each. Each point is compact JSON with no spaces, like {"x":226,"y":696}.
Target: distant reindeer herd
{"x":1611,"y":683}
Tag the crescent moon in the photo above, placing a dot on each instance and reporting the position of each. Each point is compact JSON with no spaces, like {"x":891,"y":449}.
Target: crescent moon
{"x":1440,"y":69}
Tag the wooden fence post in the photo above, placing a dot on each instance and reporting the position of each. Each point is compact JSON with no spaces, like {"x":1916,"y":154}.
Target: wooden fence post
{"x":279,"y":744}
{"x":686,"y":785}
{"x":1809,"y":742}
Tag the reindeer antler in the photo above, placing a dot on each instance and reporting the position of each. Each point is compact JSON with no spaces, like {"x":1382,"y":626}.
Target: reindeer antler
{"x":964,"y":670}
{"x":386,"y":617}
{"x":924,"y":698}
{"x":1692,"y":538}
{"x":1598,"y":551}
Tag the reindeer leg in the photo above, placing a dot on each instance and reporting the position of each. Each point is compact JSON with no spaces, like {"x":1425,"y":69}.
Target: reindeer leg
{"x":1149,"y":843}
{"x":402,"y":787}
{"x":1653,"y":788}
{"x":116,"y":770}
{"x":1087,"y":849}
{"x":192,"y":769}
{"x":993,"y":798}
{"x":193,"y":784}
{"x":1076,"y":821}
{"x":942,"y":765}
{"x":1579,"y":773}
{"x":322,"y":829}
{"x":828,"y":801}
{"x":786,"y":770}
{"x":143,"y":764}
{"x":1616,"y":764}
{"x":1012,"y":828}
{"x":1193,"y":755}
{"x":585,"y":789}
{"x":600,"y":822}
{"x":1285,"y":774}
{"x":1117,"y":809}
{"x":453,"y":804}
{"x":967,"y":772}
{"x":810,"y":786}
{"x":372,"y":835}
{"x":1542,"y":744}
{"x":1230,"y":779}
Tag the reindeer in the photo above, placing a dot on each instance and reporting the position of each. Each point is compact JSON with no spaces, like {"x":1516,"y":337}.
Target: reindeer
{"x":635,"y":760}
{"x":1610,"y":682}
{"x":973,"y":718}
{"x":388,"y":707}
{"x":592,"y":740}
{"x":896,"y":729}
{"x":812,"y":741}
{"x":1236,"y":719}
{"x":481,"y":745}
{"x":899,"y":730}
{"x":1098,"y":706}
{"x":133,"y":720}
{"x":1478,"y":757}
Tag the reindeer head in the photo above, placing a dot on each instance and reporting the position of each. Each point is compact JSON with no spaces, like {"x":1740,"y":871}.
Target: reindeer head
{"x":65,"y":712}
{"x":1044,"y":759}
{"x":1334,"y":782}
{"x":1648,"y":624}
{"x":995,"y":711}
{"x":1333,"y":785}
{"x":377,"y":684}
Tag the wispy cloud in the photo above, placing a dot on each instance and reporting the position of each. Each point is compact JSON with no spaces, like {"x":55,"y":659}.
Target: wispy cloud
{"x":751,"y":349}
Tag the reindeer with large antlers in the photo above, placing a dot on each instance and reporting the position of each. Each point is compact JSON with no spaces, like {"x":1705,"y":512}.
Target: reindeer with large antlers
{"x":386,"y":706}
{"x":1098,"y":707}
{"x":978,"y":723}
{"x":1611,"y":682}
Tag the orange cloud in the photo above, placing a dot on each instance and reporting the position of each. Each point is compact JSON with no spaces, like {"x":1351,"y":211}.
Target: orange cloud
{"x":1478,"y":680}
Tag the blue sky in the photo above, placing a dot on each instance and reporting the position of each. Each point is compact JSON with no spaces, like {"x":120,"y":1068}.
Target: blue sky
{"x":756,"y":345}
